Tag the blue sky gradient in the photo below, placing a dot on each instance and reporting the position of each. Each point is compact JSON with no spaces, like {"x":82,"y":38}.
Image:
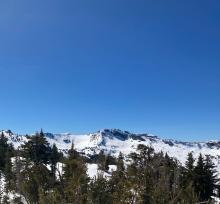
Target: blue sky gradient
{"x":80,"y":66}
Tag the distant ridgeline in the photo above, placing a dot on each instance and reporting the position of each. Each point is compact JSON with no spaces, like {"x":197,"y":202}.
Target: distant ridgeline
{"x":109,"y":166}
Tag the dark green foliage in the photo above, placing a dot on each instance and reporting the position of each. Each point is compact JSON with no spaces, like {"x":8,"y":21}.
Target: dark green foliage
{"x":3,"y":150}
{"x":100,"y":191}
{"x":104,"y":161}
{"x":9,"y":175}
{"x":141,"y":166}
{"x":120,"y":185}
{"x":6,"y":151}
{"x":188,"y":172}
{"x":95,"y":159}
{"x":37,"y":178}
{"x":212,"y":182}
{"x":37,"y":149}
{"x":54,"y":158}
{"x":33,"y":179}
{"x":205,"y":178}
{"x":75,"y":178}
{"x":200,"y":178}
{"x":199,"y":181}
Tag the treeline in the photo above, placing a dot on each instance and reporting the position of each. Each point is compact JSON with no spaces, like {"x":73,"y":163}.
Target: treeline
{"x":146,"y":178}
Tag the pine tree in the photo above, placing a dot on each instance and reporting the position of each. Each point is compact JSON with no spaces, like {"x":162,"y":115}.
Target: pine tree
{"x":50,"y":197}
{"x":211,"y":180}
{"x":121,"y":193}
{"x":18,"y":165}
{"x":36,"y":152}
{"x":6,"y":153}
{"x":9,"y":175}
{"x":141,"y":174}
{"x":3,"y":150}
{"x":37,"y":149}
{"x":120,"y":172}
{"x":37,"y":181}
{"x":75,"y":178}
{"x":188,"y":172}
{"x":100,"y":191}
{"x":186,"y":196}
{"x":199,"y":182}
{"x":55,"y":157}
{"x":103,"y":161}
{"x":190,"y":162}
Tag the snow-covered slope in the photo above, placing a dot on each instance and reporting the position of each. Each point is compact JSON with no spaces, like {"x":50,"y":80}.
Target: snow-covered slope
{"x":114,"y":141}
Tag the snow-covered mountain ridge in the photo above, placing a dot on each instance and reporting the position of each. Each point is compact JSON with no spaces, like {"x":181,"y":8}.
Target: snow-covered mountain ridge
{"x":113,"y":141}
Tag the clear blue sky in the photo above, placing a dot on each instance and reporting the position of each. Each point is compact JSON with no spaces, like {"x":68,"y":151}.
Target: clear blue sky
{"x":79,"y":66}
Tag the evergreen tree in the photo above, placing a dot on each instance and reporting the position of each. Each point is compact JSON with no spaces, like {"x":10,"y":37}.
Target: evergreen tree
{"x":188,"y":172}
{"x":190,"y":162}
{"x":3,"y":150}
{"x":37,"y":180}
{"x":100,"y":191}
{"x":186,"y":195}
{"x":37,"y":149}
{"x":55,"y":157}
{"x":103,"y":161}
{"x":141,"y":165}
{"x":50,"y":197}
{"x":9,"y":175}
{"x":199,"y":182}
{"x":18,"y":165}
{"x":6,"y":153}
{"x":120,"y":172}
{"x":211,"y":180}
{"x":121,"y":193}
{"x":36,"y":152}
{"x":75,"y":178}
{"x":202,"y":177}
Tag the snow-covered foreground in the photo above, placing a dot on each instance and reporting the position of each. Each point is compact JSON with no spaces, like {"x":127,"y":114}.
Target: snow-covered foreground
{"x":11,"y":195}
{"x":92,"y":172}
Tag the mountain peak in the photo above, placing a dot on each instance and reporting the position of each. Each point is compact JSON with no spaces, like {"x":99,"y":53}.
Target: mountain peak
{"x":123,"y":135}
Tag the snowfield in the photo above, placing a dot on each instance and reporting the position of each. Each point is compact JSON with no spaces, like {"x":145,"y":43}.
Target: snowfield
{"x":92,"y":171}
